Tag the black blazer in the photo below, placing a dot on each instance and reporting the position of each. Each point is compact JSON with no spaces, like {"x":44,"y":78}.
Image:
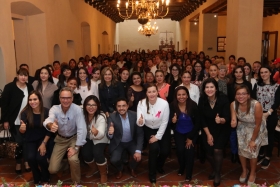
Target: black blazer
{"x":137,"y":132}
{"x":12,"y":98}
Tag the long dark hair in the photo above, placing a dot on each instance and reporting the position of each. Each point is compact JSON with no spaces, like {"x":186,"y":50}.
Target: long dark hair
{"x":29,"y":109}
{"x":233,"y":72}
{"x":88,"y":80}
{"x":62,"y":78}
{"x":135,"y":73}
{"x":206,"y":81}
{"x":201,"y":75}
{"x":260,"y":81}
{"x":98,"y":108}
{"x":189,"y":102}
{"x":171,"y":77}
{"x":50,"y":79}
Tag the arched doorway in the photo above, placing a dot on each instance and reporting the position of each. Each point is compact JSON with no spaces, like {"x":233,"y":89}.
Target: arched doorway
{"x":56,"y":53}
{"x":70,"y":49}
{"x":105,"y":43}
{"x":86,"y":40}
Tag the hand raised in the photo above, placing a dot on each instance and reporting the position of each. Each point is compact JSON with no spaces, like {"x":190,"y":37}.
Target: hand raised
{"x":54,"y":126}
{"x":218,"y":119}
{"x":111,"y":129}
{"x":174,"y":119}
{"x":22,"y":126}
{"x":141,"y":120}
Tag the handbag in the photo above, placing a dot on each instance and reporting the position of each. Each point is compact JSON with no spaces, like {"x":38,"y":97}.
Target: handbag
{"x":10,"y":148}
{"x":3,"y":141}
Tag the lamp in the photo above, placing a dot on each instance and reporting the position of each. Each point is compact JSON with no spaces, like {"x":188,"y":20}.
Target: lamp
{"x":144,"y":9}
{"x":148,"y":29}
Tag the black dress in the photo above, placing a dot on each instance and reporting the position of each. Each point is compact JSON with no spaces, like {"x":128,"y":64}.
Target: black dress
{"x":220,"y":132}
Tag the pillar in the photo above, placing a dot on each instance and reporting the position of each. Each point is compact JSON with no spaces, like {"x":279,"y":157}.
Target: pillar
{"x":244,"y":29}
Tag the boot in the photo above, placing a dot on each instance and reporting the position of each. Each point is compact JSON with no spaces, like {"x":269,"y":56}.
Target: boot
{"x":92,"y":170}
{"x":103,"y":171}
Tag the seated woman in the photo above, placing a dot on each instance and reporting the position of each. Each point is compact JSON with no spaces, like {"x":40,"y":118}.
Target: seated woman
{"x":36,"y":137}
{"x":246,"y":114}
{"x":93,"y":150}
{"x":184,"y":115}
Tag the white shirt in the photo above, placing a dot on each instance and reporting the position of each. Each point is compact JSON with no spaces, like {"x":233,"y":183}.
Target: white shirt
{"x":84,"y":92}
{"x":193,"y":91}
{"x":120,"y":64}
{"x":153,"y":70}
{"x":157,"y":118}
{"x":23,"y":104}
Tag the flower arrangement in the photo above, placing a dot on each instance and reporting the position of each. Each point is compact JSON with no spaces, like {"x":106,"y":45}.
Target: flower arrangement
{"x":132,"y":184}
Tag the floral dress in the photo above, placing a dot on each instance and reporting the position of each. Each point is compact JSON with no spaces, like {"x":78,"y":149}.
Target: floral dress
{"x":245,"y":127}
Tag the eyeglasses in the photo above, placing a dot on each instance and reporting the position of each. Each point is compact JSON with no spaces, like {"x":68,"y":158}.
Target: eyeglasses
{"x":93,"y":105}
{"x":241,"y":94}
{"x":174,"y":69}
{"x":65,"y":98}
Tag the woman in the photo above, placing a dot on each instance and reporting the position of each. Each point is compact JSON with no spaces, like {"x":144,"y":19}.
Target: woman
{"x":85,"y":86}
{"x":153,"y":112}
{"x":124,"y":76}
{"x":189,"y":68}
{"x":174,"y":81}
{"x":184,"y":116}
{"x":198,"y":74}
{"x":213,"y":73}
{"x":248,"y":74}
{"x":251,"y":131}
{"x":138,"y":68}
{"x":96,"y":76}
{"x":109,"y":90}
{"x":201,"y":57}
{"x":215,"y":116}
{"x":73,"y":65}
{"x":135,"y":92}
{"x":93,"y":150}
{"x":45,"y":87}
{"x":163,"y":67}
{"x":162,"y":87}
{"x":36,"y":137}
{"x":50,"y":67}
{"x":71,"y":83}
{"x":267,"y":92}
{"x":64,"y":76}
{"x":14,"y":99}
{"x":193,"y":89}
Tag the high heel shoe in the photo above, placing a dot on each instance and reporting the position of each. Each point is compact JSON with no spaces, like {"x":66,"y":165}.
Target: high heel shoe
{"x":249,"y":183}
{"x":243,"y":179}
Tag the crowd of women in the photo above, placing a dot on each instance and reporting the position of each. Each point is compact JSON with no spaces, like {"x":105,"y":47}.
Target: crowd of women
{"x":202,"y":100}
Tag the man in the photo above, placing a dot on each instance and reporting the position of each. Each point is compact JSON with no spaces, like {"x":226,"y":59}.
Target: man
{"x":124,"y":134}
{"x":67,"y":120}
{"x":30,"y":78}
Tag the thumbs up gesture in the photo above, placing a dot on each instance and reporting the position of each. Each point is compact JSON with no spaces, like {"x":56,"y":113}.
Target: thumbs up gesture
{"x":132,"y":97}
{"x":54,"y":126}
{"x":141,"y":120}
{"x":218,"y":119}
{"x":174,"y":119}
{"x":22,"y":126}
{"x":111,"y":129}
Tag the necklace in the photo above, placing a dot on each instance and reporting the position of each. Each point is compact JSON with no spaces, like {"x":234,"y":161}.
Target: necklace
{"x":212,"y":102}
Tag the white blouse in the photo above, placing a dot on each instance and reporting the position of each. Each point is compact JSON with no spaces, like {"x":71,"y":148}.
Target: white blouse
{"x":193,"y":91}
{"x":157,"y":118}
{"x":84,"y":92}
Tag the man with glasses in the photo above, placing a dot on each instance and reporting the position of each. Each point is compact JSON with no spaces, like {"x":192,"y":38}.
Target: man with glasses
{"x":68,"y":122}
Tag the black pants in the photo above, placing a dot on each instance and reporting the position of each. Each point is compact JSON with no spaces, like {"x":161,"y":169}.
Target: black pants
{"x":35,"y":160}
{"x":19,"y":138}
{"x":185,"y":156}
{"x":158,"y":151}
{"x":117,"y":155}
{"x":91,"y":152}
{"x":271,"y":123}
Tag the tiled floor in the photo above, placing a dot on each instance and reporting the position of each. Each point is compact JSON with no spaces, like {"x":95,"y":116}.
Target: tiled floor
{"x":230,"y":173}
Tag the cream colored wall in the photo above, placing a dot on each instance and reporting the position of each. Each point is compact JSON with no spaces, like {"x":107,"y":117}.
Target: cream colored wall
{"x":271,"y":23}
{"x":129,"y":38}
{"x":60,"y":21}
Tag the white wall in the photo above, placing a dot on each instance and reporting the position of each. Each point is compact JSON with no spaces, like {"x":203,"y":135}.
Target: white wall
{"x":129,"y":38}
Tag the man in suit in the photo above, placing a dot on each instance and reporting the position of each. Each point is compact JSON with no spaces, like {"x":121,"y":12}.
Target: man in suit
{"x":124,"y":134}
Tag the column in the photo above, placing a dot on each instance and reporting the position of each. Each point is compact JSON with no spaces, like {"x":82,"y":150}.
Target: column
{"x":244,"y":29}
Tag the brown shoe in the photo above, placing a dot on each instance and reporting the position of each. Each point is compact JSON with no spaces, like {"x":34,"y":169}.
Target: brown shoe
{"x":92,"y":169}
{"x":119,"y":175}
{"x":103,"y":170}
{"x":132,"y":173}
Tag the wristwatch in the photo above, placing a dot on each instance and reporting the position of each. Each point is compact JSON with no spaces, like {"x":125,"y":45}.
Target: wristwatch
{"x":76,"y":148}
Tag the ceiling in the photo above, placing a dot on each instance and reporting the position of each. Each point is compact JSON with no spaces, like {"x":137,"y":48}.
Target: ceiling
{"x":178,"y":9}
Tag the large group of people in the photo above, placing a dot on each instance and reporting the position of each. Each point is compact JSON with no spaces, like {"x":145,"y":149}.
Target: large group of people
{"x":133,"y":100}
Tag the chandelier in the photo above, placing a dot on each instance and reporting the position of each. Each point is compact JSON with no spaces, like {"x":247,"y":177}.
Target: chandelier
{"x":144,"y":9}
{"x":148,"y":29}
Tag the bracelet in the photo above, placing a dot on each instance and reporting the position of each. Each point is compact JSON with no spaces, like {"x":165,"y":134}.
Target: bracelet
{"x":44,"y":142}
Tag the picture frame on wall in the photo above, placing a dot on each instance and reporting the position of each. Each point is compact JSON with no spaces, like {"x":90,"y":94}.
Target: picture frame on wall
{"x":221,"y":44}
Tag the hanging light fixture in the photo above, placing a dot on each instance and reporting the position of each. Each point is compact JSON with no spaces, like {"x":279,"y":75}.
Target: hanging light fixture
{"x":148,"y":29}
{"x":144,"y":9}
